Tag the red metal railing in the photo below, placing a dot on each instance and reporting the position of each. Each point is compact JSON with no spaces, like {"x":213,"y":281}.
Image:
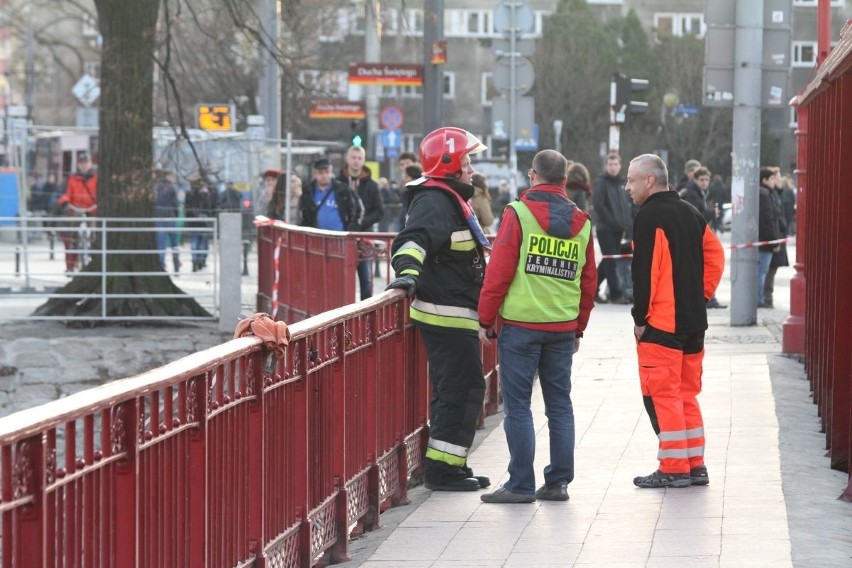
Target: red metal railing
{"x":303,"y":272}
{"x":227,"y":457}
{"x":826,"y":160}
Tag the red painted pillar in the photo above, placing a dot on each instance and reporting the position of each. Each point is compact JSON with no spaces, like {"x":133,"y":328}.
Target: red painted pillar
{"x":793,"y":339}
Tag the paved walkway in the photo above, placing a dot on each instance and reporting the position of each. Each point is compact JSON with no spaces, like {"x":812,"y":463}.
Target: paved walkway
{"x":772,"y":499}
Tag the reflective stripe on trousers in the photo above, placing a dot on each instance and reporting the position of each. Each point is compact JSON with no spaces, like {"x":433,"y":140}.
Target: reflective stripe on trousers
{"x":670,"y":369}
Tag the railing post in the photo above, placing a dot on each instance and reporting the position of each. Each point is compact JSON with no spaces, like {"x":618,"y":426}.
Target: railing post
{"x":197,"y":405}
{"x":230,"y":248}
{"x":31,"y":542}
{"x":793,"y":340}
{"x":253,"y":376}
{"x":124,"y":439}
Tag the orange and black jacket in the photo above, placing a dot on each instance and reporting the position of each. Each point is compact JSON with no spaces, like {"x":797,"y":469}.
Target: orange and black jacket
{"x":677,"y":264}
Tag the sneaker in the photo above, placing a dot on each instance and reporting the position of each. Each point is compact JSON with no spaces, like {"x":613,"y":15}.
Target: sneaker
{"x":659,"y":479}
{"x":698,"y":475}
{"x":503,"y":495}
{"x":713,"y":303}
{"x":558,"y":492}
{"x":622,"y":300}
{"x":600,"y":300}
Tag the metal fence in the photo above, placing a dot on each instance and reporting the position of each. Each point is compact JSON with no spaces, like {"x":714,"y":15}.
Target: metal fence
{"x":33,"y":268}
{"x":822,"y":263}
{"x":303,"y":271}
{"x":228,"y":457}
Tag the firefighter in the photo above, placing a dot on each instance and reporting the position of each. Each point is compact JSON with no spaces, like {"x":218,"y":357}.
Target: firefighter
{"x":438,"y":258}
{"x":677,"y":264}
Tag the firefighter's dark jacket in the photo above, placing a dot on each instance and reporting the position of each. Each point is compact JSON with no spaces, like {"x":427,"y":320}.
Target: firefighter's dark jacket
{"x":677,"y":265}
{"x":437,"y":248}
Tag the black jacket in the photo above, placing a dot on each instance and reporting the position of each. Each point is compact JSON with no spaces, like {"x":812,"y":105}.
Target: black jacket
{"x":345,"y":205}
{"x":446,"y":276}
{"x":611,"y":204}
{"x":693,"y":194}
{"x":368,"y":192}
{"x":768,"y":227}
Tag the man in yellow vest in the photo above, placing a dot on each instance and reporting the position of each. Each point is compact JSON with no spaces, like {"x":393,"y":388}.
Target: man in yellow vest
{"x":542,"y":279}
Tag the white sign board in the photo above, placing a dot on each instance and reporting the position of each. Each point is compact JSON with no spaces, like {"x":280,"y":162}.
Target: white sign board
{"x":86,"y":90}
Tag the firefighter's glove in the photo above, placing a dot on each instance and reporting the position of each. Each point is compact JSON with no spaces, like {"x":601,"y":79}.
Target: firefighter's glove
{"x":407,"y":283}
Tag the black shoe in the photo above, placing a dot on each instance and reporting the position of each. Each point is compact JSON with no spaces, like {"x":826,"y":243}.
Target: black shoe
{"x":659,"y":479}
{"x":622,"y":301}
{"x":558,"y":492}
{"x":713,"y":303}
{"x":698,"y":475}
{"x":483,"y":480}
{"x":599,"y":300}
{"x":466,"y":484}
{"x":503,"y":495}
{"x":762,"y":306}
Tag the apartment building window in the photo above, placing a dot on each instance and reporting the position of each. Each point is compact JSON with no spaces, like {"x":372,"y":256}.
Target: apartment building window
{"x":397,"y":92}
{"x":468,"y":23}
{"x":804,"y":54}
{"x":339,"y":27}
{"x":668,"y":24}
{"x":487,"y":90}
{"x":331,"y":84}
{"x":813,"y":3}
{"x":390,"y":21}
{"x":412,"y":22}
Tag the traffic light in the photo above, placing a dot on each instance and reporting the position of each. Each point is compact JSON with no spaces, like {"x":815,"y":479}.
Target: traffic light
{"x":622,"y":90}
{"x":359,"y":134}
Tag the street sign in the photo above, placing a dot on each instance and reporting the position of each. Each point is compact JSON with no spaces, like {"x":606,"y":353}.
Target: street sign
{"x":215,"y":117}
{"x":510,"y":14}
{"x":685,"y":110}
{"x":391,"y":117}
{"x":527,"y":140}
{"x":524,"y":117}
{"x":524,"y":75}
{"x":86,"y":90}
{"x":391,"y":139}
{"x":502,"y":47}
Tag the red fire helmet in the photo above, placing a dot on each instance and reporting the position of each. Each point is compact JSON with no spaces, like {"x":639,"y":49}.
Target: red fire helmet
{"x":442,"y":150}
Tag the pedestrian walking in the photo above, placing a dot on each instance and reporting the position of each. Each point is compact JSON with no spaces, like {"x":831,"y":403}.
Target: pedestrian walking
{"x":677,"y":265}
{"x":80,"y":199}
{"x":779,"y":257}
{"x":327,"y":203}
{"x":542,"y":279}
{"x":200,"y":205}
{"x":165,"y":209}
{"x":439,"y":259}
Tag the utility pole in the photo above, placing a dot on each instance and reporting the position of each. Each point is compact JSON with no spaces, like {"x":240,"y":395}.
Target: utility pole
{"x":372,"y":54}
{"x":433,"y":30}
{"x":269,"y":88}
{"x":29,"y":85}
{"x":748,"y":58}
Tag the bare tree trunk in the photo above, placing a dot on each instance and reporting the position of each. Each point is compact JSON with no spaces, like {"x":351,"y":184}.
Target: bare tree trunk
{"x":128,"y":29}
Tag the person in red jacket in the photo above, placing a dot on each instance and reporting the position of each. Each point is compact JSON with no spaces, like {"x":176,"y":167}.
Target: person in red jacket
{"x":677,"y":264}
{"x":542,"y":279}
{"x":79,"y":199}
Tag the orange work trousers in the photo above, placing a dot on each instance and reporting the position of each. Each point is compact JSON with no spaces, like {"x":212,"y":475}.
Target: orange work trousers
{"x":670,"y":367}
